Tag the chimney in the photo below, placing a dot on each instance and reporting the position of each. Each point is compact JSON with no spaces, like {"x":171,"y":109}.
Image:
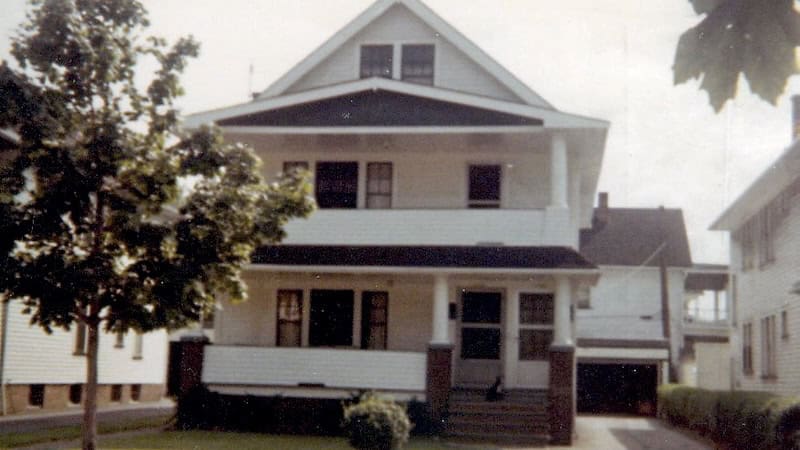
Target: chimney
{"x":795,"y":117}
{"x":600,"y":218}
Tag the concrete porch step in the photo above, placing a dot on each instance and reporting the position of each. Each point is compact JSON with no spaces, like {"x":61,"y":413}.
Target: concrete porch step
{"x":529,"y":439}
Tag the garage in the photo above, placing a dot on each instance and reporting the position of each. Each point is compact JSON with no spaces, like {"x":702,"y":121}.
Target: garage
{"x":617,"y":388}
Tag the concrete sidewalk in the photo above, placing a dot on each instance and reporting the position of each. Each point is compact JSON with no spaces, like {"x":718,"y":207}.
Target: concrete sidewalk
{"x":627,"y":433}
{"x":40,"y":420}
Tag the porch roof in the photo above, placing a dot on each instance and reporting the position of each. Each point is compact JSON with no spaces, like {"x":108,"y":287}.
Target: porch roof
{"x":461,"y":257}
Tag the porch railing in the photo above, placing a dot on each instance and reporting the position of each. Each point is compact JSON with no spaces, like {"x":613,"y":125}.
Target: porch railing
{"x":315,"y":367}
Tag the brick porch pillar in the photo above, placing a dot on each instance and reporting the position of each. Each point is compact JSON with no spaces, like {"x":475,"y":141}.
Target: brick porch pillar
{"x":192,"y":350}
{"x":561,"y":395}
{"x":438,"y":381}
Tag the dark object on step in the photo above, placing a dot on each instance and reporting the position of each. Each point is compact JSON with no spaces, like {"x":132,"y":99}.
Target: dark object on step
{"x":495,"y":392}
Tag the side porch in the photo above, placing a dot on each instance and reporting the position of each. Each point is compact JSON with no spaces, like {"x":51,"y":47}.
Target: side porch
{"x":428,"y":326}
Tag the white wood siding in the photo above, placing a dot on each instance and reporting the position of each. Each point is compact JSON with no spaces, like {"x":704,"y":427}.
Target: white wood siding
{"x":453,"y":69}
{"x":344,"y":369}
{"x":763,"y":292}
{"x":622,"y":296}
{"x":35,"y":357}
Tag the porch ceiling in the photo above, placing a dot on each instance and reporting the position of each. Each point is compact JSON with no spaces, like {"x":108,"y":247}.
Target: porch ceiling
{"x":461,"y":257}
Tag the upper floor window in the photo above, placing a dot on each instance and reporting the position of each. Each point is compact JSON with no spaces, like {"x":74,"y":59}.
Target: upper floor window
{"x":337,"y":184}
{"x":379,"y":185}
{"x":290,"y":318}
{"x":377,"y":61}
{"x":417,"y":64}
{"x":484,"y":186}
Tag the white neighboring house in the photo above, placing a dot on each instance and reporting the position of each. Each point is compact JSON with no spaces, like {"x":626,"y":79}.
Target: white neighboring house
{"x":445,"y":250}
{"x":625,"y":338}
{"x":47,"y":372}
{"x":764,"y":227}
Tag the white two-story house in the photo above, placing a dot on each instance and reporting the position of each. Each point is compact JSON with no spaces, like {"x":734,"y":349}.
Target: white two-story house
{"x":444,"y":252}
{"x":764,"y":225}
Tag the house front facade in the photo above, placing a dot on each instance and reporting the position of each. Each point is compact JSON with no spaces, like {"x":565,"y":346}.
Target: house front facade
{"x":444,"y":251}
{"x":764,"y":227}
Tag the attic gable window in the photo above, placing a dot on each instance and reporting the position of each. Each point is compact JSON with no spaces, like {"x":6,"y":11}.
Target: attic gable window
{"x":417,"y":64}
{"x":376,"y":61}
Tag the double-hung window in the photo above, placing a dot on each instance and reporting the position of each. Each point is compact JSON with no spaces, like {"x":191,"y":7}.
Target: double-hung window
{"x":536,"y":314}
{"x":377,"y":61}
{"x":290,"y":318}
{"x":379,"y":185}
{"x":374,"y":320}
{"x":417,"y":64}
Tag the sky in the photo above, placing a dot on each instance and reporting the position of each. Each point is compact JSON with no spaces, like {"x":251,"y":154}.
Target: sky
{"x":609,"y":59}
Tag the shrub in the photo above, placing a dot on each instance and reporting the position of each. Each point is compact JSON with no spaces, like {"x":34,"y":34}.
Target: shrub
{"x":376,"y":424}
{"x":751,"y":420}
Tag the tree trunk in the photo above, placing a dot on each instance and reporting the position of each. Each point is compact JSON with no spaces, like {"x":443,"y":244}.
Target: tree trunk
{"x":90,"y":402}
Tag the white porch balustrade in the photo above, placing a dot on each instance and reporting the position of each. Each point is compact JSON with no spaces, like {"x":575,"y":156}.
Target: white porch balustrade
{"x":317,"y":367}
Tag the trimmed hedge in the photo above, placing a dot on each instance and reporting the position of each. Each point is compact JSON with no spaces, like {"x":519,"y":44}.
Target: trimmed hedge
{"x":739,"y":419}
{"x":375,"y":423}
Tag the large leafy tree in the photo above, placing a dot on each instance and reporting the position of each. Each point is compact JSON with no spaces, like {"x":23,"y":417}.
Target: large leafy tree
{"x":756,"y":39}
{"x":110,"y":216}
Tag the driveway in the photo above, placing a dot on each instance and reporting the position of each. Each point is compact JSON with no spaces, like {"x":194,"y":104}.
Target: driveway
{"x":628,"y":433}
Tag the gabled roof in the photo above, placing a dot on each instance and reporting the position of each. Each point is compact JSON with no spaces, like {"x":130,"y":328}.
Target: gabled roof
{"x":550,"y":117}
{"x":425,"y":14}
{"x":633,"y":237}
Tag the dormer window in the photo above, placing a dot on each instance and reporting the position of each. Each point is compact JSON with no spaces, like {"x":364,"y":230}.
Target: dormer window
{"x":377,"y":61}
{"x":417,"y":64}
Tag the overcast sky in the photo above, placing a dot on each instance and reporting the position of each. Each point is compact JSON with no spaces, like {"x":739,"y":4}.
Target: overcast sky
{"x":609,"y":59}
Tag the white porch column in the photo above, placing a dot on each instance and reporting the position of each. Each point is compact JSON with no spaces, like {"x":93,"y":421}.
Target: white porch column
{"x":562,"y":335}
{"x":511,"y":339}
{"x":440,"y":310}
{"x":558,"y":172}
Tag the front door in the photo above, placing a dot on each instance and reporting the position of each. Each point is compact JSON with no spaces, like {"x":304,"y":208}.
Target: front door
{"x":480,"y":338}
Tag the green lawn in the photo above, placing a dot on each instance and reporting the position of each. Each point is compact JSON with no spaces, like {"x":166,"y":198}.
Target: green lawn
{"x":206,"y":440}
{"x":13,"y":440}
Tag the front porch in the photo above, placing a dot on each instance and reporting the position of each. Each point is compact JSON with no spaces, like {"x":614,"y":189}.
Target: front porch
{"x":414,"y":333}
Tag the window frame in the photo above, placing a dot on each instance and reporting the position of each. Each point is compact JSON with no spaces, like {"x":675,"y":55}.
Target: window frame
{"x":298,"y":322}
{"x":290,"y":166}
{"x":370,"y":193}
{"x":334,"y":202}
{"x":481,"y":203}
{"x":138,"y":345}
{"x":371,"y":327}
{"x":314,"y":300}
{"x":769,"y":341}
{"x":392,"y":60}
{"x":489,"y":328}
{"x":36,"y":395}
{"x":785,"y":325}
{"x":536,"y":326}
{"x":747,"y":348}
{"x":417,"y":79}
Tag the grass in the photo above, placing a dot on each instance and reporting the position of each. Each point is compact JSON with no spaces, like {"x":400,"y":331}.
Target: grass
{"x":207,"y":440}
{"x":12,"y":440}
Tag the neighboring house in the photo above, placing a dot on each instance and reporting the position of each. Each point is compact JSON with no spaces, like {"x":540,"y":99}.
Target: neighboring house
{"x":706,"y":356}
{"x":764,"y":227}
{"x":627,"y":344}
{"x":40,"y":371}
{"x":445,"y":249}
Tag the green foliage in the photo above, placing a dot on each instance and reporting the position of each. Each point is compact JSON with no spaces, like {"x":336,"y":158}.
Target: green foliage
{"x":739,"y":419}
{"x":376,"y":424}
{"x":126,"y":220}
{"x":753,"y":38}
